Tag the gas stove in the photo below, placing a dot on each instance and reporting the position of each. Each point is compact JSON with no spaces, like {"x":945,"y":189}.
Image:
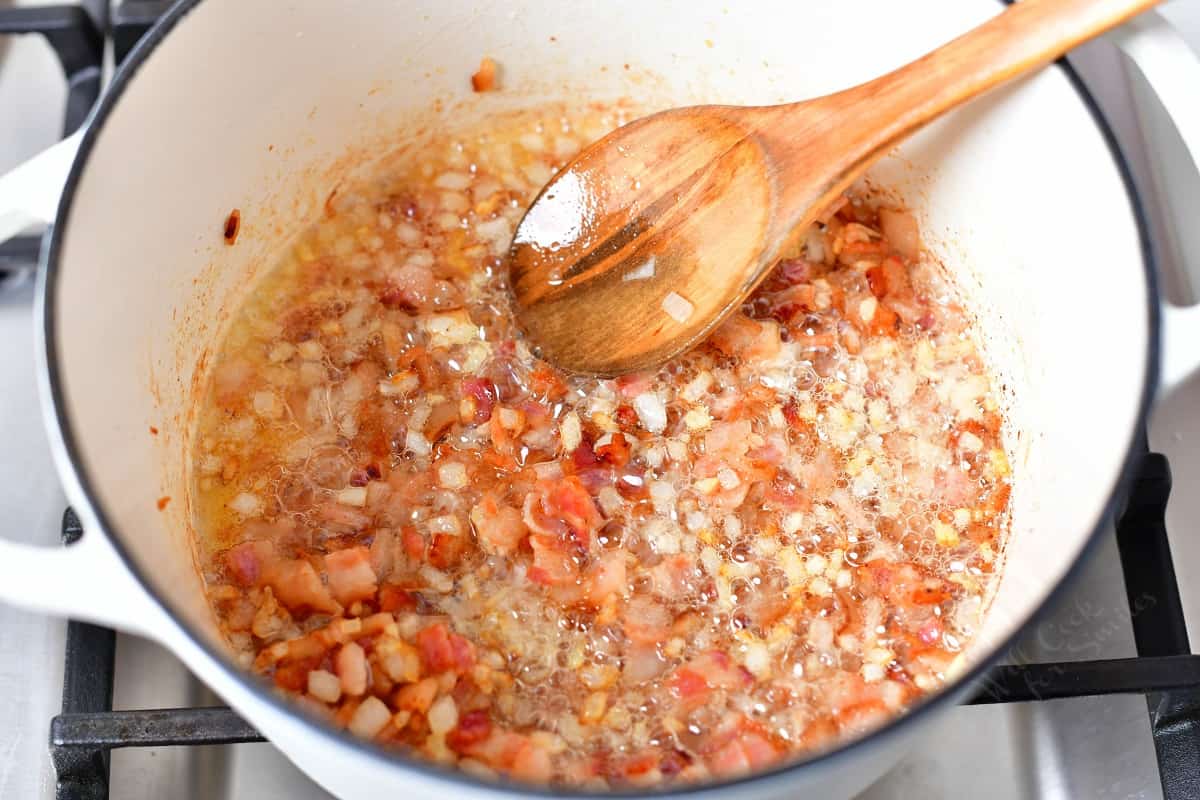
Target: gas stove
{"x":1099,"y":700}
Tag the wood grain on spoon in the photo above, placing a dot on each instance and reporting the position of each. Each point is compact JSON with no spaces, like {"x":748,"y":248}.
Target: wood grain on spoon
{"x":639,"y":247}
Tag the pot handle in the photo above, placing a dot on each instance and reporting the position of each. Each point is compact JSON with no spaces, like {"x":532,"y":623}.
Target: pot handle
{"x":86,"y":580}
{"x":1171,"y":71}
{"x":30,"y":193}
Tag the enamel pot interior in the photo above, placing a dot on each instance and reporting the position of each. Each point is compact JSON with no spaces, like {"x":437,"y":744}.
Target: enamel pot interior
{"x":267,"y":107}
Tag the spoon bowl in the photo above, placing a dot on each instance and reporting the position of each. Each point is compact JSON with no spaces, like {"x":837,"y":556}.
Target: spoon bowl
{"x":639,"y":247}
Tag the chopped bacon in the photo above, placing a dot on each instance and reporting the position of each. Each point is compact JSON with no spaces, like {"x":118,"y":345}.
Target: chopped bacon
{"x":443,"y":651}
{"x":532,"y":763}
{"x":606,"y":577}
{"x":293,"y":676}
{"x":749,"y":751}
{"x":626,"y":417}
{"x":793,"y":302}
{"x":447,"y":550}
{"x":615,"y":451}
{"x":247,"y":561}
{"x":794,"y":270}
{"x":499,"y":527}
{"x":417,"y":696}
{"x":931,"y":631}
{"x":498,"y":749}
{"x":595,"y":478}
{"x":647,"y":620}
{"x":584,"y":456}
{"x":344,"y":517}
{"x":350,"y":575}
{"x":631,"y":483}
{"x":413,"y":543}
{"x":728,"y":441}
{"x":819,"y":474}
{"x":562,"y":508}
{"x":545,"y":384}
{"x":687,"y":684}
{"x":747,"y":338}
{"x":482,"y":394}
{"x":675,"y":576}
{"x":716,"y":669}
{"x":554,"y":560}
{"x":635,"y":383}
{"x":298,"y":587}
{"x":473,"y":727}
{"x":394,"y":598}
{"x":901,"y":230}
{"x":783,"y":494}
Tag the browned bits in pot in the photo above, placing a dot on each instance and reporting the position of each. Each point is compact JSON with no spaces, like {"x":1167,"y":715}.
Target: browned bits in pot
{"x":485,"y":79}
{"x":162,"y":502}
{"x":153,"y":431}
{"x":233,"y":226}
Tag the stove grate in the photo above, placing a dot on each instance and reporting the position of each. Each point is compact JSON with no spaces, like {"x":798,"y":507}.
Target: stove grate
{"x":73,"y":33}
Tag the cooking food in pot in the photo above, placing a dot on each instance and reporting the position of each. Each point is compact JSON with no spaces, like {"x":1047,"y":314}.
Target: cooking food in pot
{"x":421,"y":532}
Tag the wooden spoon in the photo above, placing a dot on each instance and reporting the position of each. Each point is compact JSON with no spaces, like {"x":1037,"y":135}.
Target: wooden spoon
{"x":639,"y":247}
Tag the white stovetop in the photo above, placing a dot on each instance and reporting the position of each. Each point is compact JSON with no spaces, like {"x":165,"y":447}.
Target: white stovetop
{"x":1090,"y":747}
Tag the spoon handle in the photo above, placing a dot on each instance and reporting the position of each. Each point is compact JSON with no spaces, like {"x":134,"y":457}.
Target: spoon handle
{"x":1027,"y":35}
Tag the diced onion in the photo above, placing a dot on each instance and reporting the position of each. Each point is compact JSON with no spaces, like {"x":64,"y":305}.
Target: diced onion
{"x":448,"y":524}
{"x":452,"y":180}
{"x":311,"y":350}
{"x":416,"y":443}
{"x":324,"y":685}
{"x":399,"y":385}
{"x":369,"y":718}
{"x":442,"y":716}
{"x":247,"y":504}
{"x":452,"y":475}
{"x":651,"y":411}
{"x":728,"y":478}
{"x":353,"y":496}
{"x":570,"y":433}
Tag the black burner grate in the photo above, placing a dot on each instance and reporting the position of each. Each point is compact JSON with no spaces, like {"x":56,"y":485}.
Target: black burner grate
{"x":87,"y":730}
{"x":73,"y":32}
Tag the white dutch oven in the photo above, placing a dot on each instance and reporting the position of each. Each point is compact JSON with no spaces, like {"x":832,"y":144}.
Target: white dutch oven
{"x":265,"y":107}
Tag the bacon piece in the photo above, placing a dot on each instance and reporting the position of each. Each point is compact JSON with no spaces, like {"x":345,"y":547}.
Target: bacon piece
{"x":394,"y":598}
{"x":298,"y":587}
{"x":447,"y":550}
{"x":473,"y":727}
{"x":554,"y":560}
{"x":248,"y":561}
{"x":481,"y":394}
{"x":350,"y":575}
{"x":747,"y":338}
{"x":647,"y":621}
{"x":616,"y":451}
{"x":606,"y":577}
{"x":443,"y":651}
{"x":498,"y":527}
{"x":749,"y":751}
